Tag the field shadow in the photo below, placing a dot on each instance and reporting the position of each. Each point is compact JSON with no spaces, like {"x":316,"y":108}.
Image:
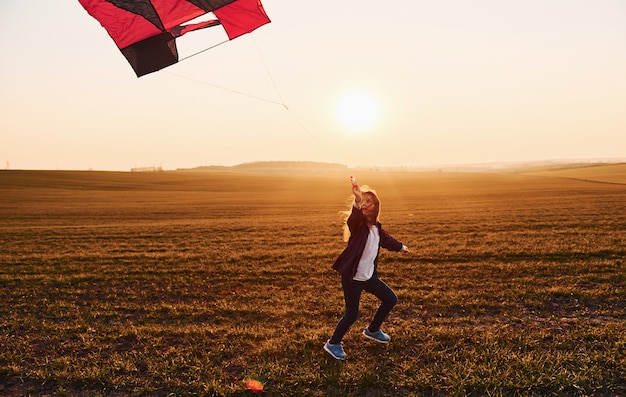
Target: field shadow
{"x":331,"y":370}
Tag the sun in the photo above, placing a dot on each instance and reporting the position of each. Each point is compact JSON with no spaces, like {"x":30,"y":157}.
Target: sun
{"x":358,"y":110}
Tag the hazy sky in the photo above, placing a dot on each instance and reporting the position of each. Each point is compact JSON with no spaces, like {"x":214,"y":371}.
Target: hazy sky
{"x":440,"y":82}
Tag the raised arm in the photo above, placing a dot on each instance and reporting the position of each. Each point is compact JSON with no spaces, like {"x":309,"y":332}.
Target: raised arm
{"x":356,"y":190}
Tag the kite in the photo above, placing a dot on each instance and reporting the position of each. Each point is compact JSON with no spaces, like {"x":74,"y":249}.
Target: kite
{"x":145,"y":31}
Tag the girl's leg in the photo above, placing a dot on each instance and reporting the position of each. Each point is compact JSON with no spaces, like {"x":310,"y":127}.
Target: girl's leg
{"x":388,"y":301}
{"x":352,"y":295}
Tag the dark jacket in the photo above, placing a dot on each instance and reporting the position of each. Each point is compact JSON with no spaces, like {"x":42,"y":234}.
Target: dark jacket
{"x":347,"y":262}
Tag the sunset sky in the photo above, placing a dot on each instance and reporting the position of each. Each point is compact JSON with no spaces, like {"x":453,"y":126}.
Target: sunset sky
{"x":435,"y":82}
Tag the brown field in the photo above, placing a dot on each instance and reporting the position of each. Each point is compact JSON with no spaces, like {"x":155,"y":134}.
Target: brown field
{"x":189,"y":283}
{"x":602,"y":173}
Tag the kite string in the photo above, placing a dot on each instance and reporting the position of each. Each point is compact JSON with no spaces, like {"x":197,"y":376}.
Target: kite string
{"x":267,"y":70}
{"x":298,"y":121}
{"x":310,"y":134}
{"x":201,"y":51}
{"x":224,"y":89}
{"x":280,"y":97}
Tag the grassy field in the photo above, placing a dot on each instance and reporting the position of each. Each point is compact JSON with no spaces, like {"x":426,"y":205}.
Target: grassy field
{"x":189,"y":283}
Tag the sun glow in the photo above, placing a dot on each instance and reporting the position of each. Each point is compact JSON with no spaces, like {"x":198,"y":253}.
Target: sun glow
{"x":358,"y":110}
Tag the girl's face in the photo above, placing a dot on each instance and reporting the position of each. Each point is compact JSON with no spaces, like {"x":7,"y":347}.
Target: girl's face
{"x":369,"y":207}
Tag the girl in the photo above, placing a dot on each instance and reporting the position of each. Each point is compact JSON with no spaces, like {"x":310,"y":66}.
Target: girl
{"x":357,"y":265}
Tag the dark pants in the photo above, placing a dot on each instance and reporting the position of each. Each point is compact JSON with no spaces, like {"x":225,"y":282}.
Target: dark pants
{"x":352,"y":294}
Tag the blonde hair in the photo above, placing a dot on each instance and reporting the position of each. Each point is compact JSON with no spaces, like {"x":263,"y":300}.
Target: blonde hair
{"x":346,"y":214}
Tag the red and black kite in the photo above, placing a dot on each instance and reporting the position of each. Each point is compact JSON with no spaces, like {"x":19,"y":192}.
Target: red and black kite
{"x":146,"y":30}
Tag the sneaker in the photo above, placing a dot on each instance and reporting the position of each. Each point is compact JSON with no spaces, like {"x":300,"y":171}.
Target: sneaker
{"x":335,"y":350}
{"x":378,"y":336}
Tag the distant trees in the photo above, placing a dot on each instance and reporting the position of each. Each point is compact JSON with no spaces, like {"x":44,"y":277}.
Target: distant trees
{"x":147,"y":169}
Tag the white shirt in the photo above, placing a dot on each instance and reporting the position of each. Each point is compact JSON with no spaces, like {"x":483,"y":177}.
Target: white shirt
{"x":365,"y":268}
